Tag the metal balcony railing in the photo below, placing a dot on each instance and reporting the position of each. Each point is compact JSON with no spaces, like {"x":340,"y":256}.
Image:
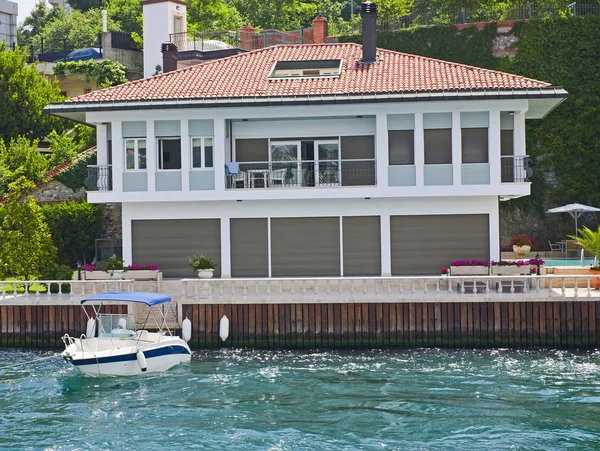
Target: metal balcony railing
{"x":99,"y":178}
{"x":205,"y":41}
{"x":282,"y":174}
{"x":515,"y":169}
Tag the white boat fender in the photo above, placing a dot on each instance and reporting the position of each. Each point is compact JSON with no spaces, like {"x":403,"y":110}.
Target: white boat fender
{"x":224,"y":328}
{"x":90,"y":331}
{"x":141,"y":358}
{"x":186,"y":329}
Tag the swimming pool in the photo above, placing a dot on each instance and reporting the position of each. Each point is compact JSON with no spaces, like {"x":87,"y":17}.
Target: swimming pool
{"x":568,"y":261}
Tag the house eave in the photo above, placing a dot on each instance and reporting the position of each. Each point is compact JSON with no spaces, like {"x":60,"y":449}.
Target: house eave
{"x":69,"y":109}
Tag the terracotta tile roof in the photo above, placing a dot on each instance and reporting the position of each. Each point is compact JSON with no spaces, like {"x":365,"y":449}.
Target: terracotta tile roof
{"x":246,"y":75}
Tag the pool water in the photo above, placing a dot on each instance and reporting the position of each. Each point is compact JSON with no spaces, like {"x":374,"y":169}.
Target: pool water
{"x":288,"y":400}
{"x":569,"y":261}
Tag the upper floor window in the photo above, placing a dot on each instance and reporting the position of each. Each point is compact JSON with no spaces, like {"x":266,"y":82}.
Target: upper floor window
{"x":401,"y":145}
{"x":474,"y":136}
{"x":169,"y":153}
{"x":437,"y":138}
{"x":202,"y":153}
{"x":135,"y":154}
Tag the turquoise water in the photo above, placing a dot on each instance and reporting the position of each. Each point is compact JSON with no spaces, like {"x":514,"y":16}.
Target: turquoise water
{"x":284,"y":400}
{"x":568,"y":261}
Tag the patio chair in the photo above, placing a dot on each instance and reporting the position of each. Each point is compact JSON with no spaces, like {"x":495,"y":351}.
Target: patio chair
{"x":556,"y":247}
{"x":277,"y":177}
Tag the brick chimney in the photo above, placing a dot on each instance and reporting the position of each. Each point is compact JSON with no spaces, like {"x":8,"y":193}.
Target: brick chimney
{"x":368,"y":11}
{"x":320,"y":30}
{"x":247,"y":37}
{"x":169,"y":56}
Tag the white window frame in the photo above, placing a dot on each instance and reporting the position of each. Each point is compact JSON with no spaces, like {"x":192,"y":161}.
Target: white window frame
{"x":202,"y":153}
{"x":159,"y":152}
{"x":136,"y":159}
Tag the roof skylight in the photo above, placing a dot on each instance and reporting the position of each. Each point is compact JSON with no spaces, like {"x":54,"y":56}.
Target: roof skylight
{"x":306,"y":69}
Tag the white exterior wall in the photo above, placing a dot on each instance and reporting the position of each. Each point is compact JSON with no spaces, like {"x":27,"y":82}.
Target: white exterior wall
{"x":158,"y":25}
{"x":309,"y":208}
{"x":8,"y":22}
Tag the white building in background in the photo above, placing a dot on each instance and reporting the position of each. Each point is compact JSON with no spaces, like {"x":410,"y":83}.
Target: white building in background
{"x":313,"y":160}
{"x":8,"y":22}
{"x":62,"y":4}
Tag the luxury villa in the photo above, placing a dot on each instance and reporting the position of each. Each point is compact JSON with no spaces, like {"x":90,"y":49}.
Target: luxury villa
{"x":312,"y":160}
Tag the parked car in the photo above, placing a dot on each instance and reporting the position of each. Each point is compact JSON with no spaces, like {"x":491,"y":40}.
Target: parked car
{"x":89,"y":53}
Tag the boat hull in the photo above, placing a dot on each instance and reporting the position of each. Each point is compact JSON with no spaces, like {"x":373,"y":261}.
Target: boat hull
{"x":123,"y":361}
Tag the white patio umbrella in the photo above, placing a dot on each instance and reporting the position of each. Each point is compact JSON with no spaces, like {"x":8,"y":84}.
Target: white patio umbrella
{"x":575,"y":210}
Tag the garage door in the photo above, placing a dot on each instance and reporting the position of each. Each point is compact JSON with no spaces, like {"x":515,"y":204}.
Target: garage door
{"x":362,"y":246}
{"x":169,"y":243}
{"x":305,"y":246}
{"x":249,"y":248}
{"x":426,"y":244}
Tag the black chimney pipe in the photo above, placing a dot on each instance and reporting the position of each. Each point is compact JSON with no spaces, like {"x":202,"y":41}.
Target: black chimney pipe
{"x":368,"y":12}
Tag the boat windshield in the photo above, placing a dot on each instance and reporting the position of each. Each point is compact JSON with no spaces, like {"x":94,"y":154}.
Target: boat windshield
{"x":116,"y":326}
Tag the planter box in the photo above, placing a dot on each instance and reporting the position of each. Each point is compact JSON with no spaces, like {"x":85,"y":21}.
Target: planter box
{"x":510,"y":270}
{"x":131,"y":275}
{"x":469,"y":270}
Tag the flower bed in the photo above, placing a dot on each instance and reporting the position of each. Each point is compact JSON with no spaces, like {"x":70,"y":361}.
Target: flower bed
{"x":515,"y":267}
{"x":469,"y":268}
{"x":132,"y":272}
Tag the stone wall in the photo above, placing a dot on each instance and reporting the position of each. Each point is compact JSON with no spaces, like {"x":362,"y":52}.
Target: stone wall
{"x":113,"y":227}
{"x":55,"y":191}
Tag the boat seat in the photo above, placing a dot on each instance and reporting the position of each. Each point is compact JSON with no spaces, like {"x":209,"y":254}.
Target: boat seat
{"x":121,"y":333}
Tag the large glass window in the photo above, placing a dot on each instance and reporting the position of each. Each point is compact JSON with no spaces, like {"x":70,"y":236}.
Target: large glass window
{"x":202,"y":153}
{"x":401,"y":145}
{"x":475,"y":145}
{"x":438,"y":146}
{"x":135,"y":154}
{"x":169,"y":153}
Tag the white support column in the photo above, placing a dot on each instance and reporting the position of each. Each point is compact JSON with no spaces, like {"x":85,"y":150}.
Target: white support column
{"x":151,"y":156}
{"x":102,"y":151}
{"x":386,"y":244}
{"x":269,"y":246}
{"x":341,"y":246}
{"x":219,"y":154}
{"x":225,"y":248}
{"x":519,"y":133}
{"x":381,"y":150}
{"x":456,"y":149}
{"x":118,"y":156}
{"x":419,"y":150}
{"x":494,"y":219}
{"x":494,"y":148}
{"x":126,"y":235}
{"x":186,"y":157}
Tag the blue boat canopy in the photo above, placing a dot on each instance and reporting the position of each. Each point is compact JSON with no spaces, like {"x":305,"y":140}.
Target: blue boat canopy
{"x":149,"y":299}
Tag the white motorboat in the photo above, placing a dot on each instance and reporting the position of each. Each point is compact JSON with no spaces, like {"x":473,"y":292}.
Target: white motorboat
{"x":120,"y":349}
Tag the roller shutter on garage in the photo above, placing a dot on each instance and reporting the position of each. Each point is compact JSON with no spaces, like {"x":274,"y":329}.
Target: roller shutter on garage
{"x":305,"y":247}
{"x":362,"y":246}
{"x":426,"y":244}
{"x":168,"y":243}
{"x":249,"y":248}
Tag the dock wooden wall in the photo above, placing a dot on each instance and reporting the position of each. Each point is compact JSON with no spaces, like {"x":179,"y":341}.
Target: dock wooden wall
{"x":42,"y":326}
{"x":565,"y":324}
{"x":449,"y":325}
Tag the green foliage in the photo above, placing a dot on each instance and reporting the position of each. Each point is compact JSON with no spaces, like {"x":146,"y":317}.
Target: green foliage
{"x":202,"y":262}
{"x":63,"y":147}
{"x":34,"y":24}
{"x":208,"y":15}
{"x":74,"y":176}
{"x":85,"y":5}
{"x":85,"y":136}
{"x":20,"y":159}
{"x":127,"y":14}
{"x":107,"y":73}
{"x":113,"y":263}
{"x":74,"y":226}
{"x":26,"y":247}
{"x":24,"y":93}
{"x":278,"y":14}
{"x":588,"y":240}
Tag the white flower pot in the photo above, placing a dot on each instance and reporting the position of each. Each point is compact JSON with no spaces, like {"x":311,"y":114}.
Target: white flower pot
{"x":205,"y":273}
{"x":115,"y":274}
{"x":521,"y":250}
{"x":469,"y":270}
{"x":510,"y":270}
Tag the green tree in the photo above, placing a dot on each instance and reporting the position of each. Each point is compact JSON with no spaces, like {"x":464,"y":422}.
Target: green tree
{"x":34,"y":24}
{"x":208,"y":15}
{"x":85,"y":5}
{"x":26,"y":248}
{"x":127,"y":14}
{"x":21,"y":159}
{"x":278,"y":14}
{"x":63,"y":147}
{"x":23,"y":95}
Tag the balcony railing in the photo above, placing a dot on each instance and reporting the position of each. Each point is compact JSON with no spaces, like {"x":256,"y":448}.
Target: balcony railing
{"x":283,"y":174}
{"x":205,"y":40}
{"x":515,"y":169}
{"x":99,"y":178}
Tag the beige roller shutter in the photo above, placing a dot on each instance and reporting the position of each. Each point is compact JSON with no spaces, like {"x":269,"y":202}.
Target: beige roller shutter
{"x":426,"y":244}
{"x":362,"y":246}
{"x":249,"y":248}
{"x":169,"y":242}
{"x":305,"y":247}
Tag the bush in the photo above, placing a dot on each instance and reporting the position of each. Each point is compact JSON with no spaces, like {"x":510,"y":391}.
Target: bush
{"x":75,"y":175}
{"x":74,"y":226}
{"x":58,"y":272}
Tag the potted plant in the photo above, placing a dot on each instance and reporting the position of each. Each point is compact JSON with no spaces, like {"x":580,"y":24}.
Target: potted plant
{"x":114,"y":267}
{"x":204,"y":266}
{"x":444,"y":272}
{"x":521,"y":245}
{"x":514,"y":267}
{"x":589,"y":241}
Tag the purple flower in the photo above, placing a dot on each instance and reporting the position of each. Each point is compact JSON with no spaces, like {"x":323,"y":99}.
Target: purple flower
{"x":470,"y":263}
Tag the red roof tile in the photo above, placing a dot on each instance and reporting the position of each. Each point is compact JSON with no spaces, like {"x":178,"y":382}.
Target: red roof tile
{"x":246,"y":75}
